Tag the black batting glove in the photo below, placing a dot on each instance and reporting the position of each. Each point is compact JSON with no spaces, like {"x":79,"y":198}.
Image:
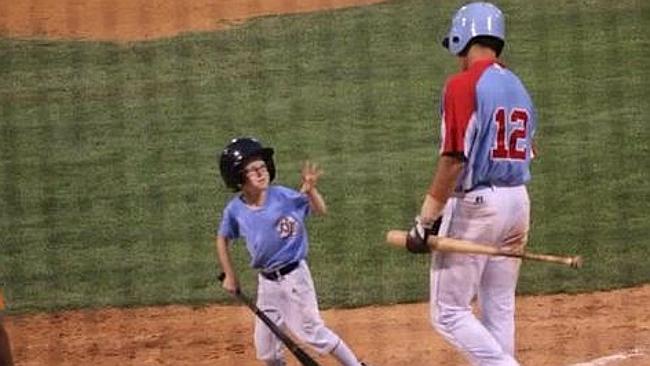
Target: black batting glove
{"x":416,"y":240}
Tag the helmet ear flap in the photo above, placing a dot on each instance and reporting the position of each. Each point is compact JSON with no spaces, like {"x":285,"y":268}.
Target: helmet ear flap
{"x":446,"y":41}
{"x":270,"y":164}
{"x":228,"y":167}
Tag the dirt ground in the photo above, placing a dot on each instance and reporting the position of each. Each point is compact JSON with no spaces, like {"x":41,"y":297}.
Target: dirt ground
{"x":131,"y":20}
{"x":606,"y":328}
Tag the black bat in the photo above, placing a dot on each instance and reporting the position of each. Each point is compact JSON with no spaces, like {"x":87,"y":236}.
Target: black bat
{"x":302,"y":356}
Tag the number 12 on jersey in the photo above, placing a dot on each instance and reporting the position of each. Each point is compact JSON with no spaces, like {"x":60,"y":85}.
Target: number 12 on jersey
{"x":511,"y":130}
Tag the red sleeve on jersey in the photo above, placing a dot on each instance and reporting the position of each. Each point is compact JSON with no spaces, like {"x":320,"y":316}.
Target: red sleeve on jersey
{"x":459,"y":104}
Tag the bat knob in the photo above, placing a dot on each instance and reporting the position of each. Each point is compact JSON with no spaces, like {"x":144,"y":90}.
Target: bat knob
{"x":576,"y":262}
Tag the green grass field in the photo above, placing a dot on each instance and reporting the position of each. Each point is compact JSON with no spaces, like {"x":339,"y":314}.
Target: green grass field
{"x":109,"y":185}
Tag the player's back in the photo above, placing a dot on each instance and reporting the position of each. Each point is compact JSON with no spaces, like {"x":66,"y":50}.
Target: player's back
{"x":500,"y":140}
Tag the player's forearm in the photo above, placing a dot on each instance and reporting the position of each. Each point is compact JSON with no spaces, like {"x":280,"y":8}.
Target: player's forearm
{"x":441,"y":188}
{"x":316,"y":202}
{"x":224,"y":256}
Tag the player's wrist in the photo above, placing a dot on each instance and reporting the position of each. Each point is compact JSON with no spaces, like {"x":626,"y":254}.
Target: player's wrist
{"x":431,"y":211}
{"x":308,"y":185}
{"x":424,"y":222}
{"x":306,"y":188}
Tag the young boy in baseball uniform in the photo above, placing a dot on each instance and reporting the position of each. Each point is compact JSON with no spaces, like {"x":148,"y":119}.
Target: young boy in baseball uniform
{"x":271,"y":220}
{"x":478,"y":192}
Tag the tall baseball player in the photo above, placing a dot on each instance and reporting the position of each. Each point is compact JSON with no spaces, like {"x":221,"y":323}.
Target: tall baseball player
{"x":478,"y":190}
{"x":5,"y":349}
{"x":271,"y":219}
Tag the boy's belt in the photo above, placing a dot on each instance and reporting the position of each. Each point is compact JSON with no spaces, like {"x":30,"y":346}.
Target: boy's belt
{"x":274,"y":275}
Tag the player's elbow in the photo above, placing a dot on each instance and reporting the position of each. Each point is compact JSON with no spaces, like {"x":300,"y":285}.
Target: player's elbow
{"x":222,"y":242}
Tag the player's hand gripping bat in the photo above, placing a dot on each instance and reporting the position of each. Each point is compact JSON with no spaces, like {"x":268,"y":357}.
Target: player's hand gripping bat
{"x":302,"y":356}
{"x":442,"y":244}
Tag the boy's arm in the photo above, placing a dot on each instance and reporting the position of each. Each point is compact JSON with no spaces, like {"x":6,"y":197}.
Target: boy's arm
{"x":230,"y":282}
{"x":316,"y":201}
{"x":5,"y":348}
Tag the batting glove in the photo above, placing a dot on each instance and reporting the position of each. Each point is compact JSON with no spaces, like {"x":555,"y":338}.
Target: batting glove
{"x":416,"y":240}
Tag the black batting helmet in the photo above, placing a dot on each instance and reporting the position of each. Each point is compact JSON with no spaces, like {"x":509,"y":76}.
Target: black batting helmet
{"x":237,"y":154}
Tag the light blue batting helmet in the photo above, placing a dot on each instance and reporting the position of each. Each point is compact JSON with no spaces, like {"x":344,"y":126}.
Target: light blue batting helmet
{"x":475,"y":19}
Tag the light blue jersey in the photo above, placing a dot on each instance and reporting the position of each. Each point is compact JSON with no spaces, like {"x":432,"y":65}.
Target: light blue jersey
{"x":275,"y":234}
{"x":489,"y":118}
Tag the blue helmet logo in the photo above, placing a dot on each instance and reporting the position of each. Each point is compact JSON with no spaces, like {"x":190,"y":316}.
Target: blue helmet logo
{"x":472,"y":20}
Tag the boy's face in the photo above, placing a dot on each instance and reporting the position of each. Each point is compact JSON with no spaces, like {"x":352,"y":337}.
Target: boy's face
{"x":256,"y":175}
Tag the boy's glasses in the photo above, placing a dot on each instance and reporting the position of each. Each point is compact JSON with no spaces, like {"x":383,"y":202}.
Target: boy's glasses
{"x":260,"y":169}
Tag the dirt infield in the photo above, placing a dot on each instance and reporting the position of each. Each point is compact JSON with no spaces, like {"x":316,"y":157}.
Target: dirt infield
{"x":608,"y":328}
{"x":131,"y":20}
{"x":551,"y":330}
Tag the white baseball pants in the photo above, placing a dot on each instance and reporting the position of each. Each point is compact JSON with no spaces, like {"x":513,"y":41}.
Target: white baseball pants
{"x":486,"y":215}
{"x":291,"y":303}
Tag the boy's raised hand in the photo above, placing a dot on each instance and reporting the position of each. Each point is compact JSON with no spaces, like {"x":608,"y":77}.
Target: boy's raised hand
{"x":310,"y":174}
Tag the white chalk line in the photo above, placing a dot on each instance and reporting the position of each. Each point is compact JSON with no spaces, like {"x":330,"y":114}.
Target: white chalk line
{"x":601,"y":361}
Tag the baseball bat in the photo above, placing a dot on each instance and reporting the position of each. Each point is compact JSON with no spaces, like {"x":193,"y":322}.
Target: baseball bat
{"x":302,"y":356}
{"x":442,"y":244}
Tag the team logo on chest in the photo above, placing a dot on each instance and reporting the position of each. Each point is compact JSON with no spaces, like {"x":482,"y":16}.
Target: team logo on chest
{"x":287,"y":226}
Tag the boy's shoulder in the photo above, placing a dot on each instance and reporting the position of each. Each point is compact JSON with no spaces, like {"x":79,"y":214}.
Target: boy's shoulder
{"x":233,"y":201}
{"x":283,"y":192}
{"x":276,"y":188}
